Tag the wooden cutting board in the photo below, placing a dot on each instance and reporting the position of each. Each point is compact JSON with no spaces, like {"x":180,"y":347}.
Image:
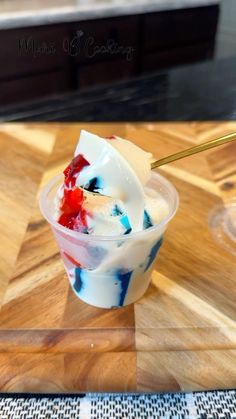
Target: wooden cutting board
{"x":180,"y":336}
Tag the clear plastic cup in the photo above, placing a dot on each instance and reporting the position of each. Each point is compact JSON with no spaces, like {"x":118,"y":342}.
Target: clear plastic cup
{"x":109,"y":271}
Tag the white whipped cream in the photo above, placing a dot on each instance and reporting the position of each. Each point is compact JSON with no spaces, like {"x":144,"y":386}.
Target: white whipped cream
{"x":121,"y":170}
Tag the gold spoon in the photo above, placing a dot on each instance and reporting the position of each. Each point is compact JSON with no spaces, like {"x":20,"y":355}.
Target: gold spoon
{"x":185,"y":153}
{"x":195,"y":149}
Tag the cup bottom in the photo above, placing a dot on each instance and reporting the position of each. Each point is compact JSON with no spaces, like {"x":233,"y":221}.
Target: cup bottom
{"x":101,"y":305}
{"x":110,"y":290}
{"x":112,"y":287}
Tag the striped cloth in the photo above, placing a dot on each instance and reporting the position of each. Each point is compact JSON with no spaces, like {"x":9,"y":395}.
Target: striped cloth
{"x":202,"y":405}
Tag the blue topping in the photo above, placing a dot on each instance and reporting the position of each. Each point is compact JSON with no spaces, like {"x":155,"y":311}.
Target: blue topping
{"x":78,"y":284}
{"x":125,"y":222}
{"x":94,"y":185}
{"x":147,"y":222}
{"x":128,"y":231}
{"x":153,"y":253}
{"x":124,"y":279}
{"x":116,"y":210}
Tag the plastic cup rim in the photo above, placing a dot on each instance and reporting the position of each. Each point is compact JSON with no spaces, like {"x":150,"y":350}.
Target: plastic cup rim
{"x":77,"y":235}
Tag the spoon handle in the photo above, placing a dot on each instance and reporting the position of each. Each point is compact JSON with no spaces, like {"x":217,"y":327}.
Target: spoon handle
{"x":195,"y":149}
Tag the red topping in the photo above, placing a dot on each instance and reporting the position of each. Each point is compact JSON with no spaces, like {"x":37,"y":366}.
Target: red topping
{"x":72,"y":260}
{"x":73,"y":214}
{"x":111,"y":137}
{"x":76,"y":165}
{"x":67,"y":220}
{"x":72,"y":201}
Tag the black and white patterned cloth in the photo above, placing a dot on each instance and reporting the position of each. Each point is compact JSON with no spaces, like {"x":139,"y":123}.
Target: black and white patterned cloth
{"x":200,"y":405}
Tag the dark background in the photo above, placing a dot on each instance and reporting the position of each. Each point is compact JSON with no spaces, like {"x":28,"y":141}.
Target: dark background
{"x":169,"y":65}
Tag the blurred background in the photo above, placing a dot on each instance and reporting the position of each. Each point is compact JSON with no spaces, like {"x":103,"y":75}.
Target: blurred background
{"x":112,"y":60}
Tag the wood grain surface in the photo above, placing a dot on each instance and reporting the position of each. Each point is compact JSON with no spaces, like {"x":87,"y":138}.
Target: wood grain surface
{"x":180,"y":336}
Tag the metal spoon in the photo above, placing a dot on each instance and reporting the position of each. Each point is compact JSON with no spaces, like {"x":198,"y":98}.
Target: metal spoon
{"x":195,"y":149}
{"x":185,"y":153}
